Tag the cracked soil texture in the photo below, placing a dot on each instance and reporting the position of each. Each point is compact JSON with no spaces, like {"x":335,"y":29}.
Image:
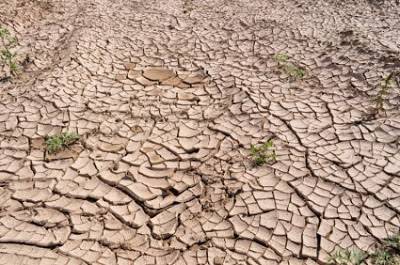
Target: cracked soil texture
{"x":168,"y":96}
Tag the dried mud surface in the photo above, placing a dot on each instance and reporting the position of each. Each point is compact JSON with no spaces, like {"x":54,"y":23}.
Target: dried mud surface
{"x":168,"y":97}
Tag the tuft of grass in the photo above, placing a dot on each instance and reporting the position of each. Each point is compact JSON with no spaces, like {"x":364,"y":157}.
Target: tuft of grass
{"x":6,"y":56}
{"x":281,"y":57}
{"x":262,"y":154}
{"x":386,"y":85}
{"x":293,"y":71}
{"x":4,"y":33}
{"x":347,"y":257}
{"x":387,"y":253}
{"x":393,"y":242}
{"x":383,"y":257}
{"x":58,"y":142}
{"x":9,"y":58}
{"x":14,"y":68}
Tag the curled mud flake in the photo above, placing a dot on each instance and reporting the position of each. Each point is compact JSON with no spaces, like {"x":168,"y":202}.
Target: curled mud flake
{"x":158,"y":74}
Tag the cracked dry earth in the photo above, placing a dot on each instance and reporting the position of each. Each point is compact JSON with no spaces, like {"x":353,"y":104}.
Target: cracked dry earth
{"x":168,"y":97}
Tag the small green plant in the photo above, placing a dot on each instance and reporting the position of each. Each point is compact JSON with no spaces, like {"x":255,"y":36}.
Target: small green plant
{"x":292,"y":70}
{"x":386,"y":85}
{"x":4,"y":33}
{"x":393,"y":242}
{"x":58,"y":142}
{"x":387,"y":253}
{"x":13,"y":67}
{"x":6,"y":56}
{"x":9,"y":59}
{"x":263,"y":153}
{"x":383,"y":257}
{"x":347,"y":257}
{"x":281,"y":57}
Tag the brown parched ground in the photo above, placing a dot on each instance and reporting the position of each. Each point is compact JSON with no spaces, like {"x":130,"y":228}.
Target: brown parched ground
{"x":168,"y":96}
